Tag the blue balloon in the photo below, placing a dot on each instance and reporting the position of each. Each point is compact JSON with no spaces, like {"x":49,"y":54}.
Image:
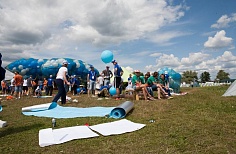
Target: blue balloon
{"x":107,"y":56}
{"x":112,"y":91}
{"x":78,"y":90}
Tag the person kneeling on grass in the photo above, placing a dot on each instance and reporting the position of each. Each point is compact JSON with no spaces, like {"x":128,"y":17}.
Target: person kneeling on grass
{"x":38,"y":92}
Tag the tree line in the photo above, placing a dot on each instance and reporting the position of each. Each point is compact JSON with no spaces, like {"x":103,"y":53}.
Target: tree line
{"x":191,"y":76}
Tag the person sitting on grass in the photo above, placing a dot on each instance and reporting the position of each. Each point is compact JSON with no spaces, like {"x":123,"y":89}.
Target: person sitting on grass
{"x":139,"y":84}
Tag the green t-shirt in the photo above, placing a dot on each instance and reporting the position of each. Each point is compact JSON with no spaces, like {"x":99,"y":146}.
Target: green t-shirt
{"x":152,"y":80}
{"x":163,"y":81}
{"x":137,"y":79}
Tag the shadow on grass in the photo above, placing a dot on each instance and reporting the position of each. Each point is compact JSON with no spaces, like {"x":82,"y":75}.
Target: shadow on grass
{"x":10,"y":131}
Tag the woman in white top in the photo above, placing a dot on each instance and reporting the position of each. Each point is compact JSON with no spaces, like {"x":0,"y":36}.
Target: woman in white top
{"x":25,"y":87}
{"x":60,"y":80}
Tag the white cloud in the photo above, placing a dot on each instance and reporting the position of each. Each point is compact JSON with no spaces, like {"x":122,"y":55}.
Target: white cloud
{"x":52,"y":28}
{"x":198,"y":62}
{"x":224,"y":21}
{"x":194,"y":58}
{"x":218,"y":41}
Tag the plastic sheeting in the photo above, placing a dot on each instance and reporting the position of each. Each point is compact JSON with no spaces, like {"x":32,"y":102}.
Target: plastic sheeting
{"x":121,"y":110}
{"x":56,"y":111}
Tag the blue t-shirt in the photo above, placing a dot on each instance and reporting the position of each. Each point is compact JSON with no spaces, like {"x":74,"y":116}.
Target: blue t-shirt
{"x":119,"y":70}
{"x":50,"y":81}
{"x":92,"y":75}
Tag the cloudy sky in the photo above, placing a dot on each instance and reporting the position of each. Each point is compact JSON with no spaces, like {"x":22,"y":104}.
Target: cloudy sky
{"x":196,"y":35}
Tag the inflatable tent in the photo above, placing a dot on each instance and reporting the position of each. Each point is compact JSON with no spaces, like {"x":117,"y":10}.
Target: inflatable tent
{"x":231,"y":91}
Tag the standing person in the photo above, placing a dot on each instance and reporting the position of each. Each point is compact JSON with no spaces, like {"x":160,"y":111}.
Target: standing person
{"x":50,"y":85}
{"x":40,"y":83}
{"x":45,"y":85}
{"x":91,"y":79}
{"x":25,"y":87}
{"x":18,"y":84}
{"x":34,"y":85}
{"x":107,"y":76}
{"x":60,"y":79}
{"x":29,"y":85}
{"x":4,"y":87}
{"x":118,"y":72}
{"x":74,"y":85}
{"x":12,"y":86}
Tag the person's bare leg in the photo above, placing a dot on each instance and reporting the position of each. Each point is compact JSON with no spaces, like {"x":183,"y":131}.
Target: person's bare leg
{"x":144,"y":93}
{"x":158,"y":93}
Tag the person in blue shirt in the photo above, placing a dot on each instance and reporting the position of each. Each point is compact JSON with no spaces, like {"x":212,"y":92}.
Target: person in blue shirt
{"x":50,"y":85}
{"x":91,"y":79}
{"x":74,"y":84}
{"x":118,"y":72}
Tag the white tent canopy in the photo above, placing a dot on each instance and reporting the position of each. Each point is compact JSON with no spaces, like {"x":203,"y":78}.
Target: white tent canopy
{"x":231,"y":91}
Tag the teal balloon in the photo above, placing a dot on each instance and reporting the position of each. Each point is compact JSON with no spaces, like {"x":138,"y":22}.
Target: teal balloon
{"x":112,"y":91}
{"x":107,"y":56}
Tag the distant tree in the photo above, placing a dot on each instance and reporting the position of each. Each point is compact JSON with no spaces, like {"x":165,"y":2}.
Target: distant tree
{"x":189,"y":76}
{"x":222,"y":75}
{"x":205,"y":76}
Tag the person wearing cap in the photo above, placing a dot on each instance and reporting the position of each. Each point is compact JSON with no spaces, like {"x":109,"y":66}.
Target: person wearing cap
{"x":138,"y":84}
{"x":50,"y":85}
{"x":107,"y":75}
{"x":60,"y":80}
{"x":118,"y":72}
{"x":91,"y":79}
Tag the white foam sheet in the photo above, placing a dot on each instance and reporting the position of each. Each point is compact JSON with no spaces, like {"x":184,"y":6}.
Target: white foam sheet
{"x":70,"y":133}
{"x":51,"y":136}
{"x":117,"y":127}
{"x":46,"y":137}
{"x":36,"y":107}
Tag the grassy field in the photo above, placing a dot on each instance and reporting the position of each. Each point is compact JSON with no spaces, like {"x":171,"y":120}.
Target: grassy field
{"x":200,"y":122}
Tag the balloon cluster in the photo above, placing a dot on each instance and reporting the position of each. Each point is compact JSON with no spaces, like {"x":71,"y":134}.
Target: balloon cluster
{"x":47,"y":67}
{"x":173,"y":77}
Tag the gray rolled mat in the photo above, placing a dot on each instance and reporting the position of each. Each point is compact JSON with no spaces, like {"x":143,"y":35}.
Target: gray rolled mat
{"x":121,"y":110}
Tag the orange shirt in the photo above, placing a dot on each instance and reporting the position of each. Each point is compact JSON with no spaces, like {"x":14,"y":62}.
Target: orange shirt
{"x":45,"y":82}
{"x":18,"y":80}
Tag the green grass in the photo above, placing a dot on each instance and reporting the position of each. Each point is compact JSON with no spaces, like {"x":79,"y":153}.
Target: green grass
{"x":200,"y":122}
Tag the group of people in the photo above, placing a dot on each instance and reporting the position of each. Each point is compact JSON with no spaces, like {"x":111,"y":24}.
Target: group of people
{"x":103,"y":81}
{"x":147,"y":83}
{"x":20,"y":86}
{"x":150,"y":83}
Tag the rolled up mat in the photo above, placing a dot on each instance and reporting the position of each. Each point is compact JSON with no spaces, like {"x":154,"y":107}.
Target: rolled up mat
{"x":40,"y":107}
{"x":121,"y":110}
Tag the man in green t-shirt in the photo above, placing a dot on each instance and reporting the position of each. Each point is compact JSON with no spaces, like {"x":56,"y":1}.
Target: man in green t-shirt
{"x":153,"y":81}
{"x":138,"y":83}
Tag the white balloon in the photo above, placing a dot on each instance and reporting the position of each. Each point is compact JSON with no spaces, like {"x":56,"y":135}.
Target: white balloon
{"x":23,"y":72}
{"x":20,"y":67}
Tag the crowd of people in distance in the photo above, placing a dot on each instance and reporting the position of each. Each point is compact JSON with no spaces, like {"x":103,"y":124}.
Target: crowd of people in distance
{"x":148,"y":84}
{"x":97,"y":84}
